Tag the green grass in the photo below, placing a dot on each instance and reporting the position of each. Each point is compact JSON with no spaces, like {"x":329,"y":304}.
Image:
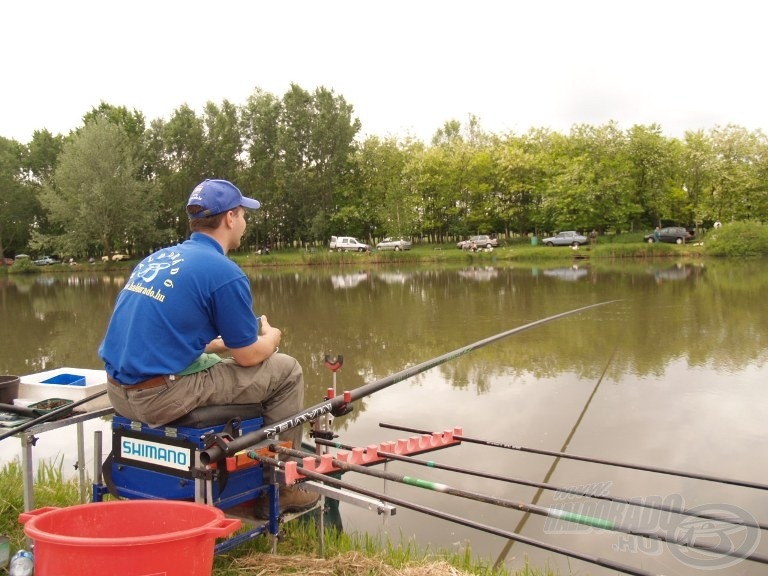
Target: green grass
{"x":628,"y":245}
{"x":344,"y":554}
{"x":606,"y":248}
{"x":50,"y":490}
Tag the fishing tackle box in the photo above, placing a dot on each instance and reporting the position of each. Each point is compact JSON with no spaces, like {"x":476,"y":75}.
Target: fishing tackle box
{"x":161,"y":462}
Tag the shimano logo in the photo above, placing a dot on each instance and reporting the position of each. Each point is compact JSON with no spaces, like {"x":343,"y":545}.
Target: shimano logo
{"x":156,"y":453}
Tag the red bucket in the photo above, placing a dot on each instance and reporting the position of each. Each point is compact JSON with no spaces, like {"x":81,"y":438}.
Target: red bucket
{"x":127,"y":538}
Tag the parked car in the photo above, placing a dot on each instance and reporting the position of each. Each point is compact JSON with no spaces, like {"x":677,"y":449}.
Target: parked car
{"x":394,"y":243}
{"x":478,"y":242}
{"x":565,"y":238}
{"x":45,"y":261}
{"x":671,"y":235}
{"x":347,"y":244}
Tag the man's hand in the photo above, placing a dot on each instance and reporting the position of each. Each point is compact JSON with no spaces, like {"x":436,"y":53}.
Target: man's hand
{"x":216,"y":346}
{"x":267,"y":344}
{"x":266,"y":329}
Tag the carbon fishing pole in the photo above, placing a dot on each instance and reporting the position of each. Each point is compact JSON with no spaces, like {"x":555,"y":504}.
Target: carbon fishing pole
{"x":545,"y":486}
{"x":656,"y":469}
{"x":222,"y":447}
{"x":49,"y":415}
{"x":604,"y":562}
{"x":557,"y":513}
{"x":553,"y":465}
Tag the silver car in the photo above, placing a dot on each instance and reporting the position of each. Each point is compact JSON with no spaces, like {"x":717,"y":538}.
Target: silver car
{"x":394,"y":243}
{"x":567,"y":238}
{"x":480,"y":242}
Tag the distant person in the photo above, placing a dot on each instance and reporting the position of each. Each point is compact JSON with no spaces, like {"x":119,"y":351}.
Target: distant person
{"x":184,"y":305}
{"x":593,"y":236}
{"x":657,"y":234}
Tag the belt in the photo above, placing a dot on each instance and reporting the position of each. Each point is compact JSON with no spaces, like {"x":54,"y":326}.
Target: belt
{"x":145,"y":385}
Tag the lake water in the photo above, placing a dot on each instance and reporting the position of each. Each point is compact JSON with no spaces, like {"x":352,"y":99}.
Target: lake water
{"x":672,"y":375}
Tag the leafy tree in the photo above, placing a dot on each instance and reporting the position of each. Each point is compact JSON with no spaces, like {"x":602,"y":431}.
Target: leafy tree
{"x":380,"y":178}
{"x":18,"y":205}
{"x":519,"y":164}
{"x":316,"y":138}
{"x":223,"y":143}
{"x":437,"y":206}
{"x":737,"y":193}
{"x":95,"y":200}
{"x":178,"y":158}
{"x":653,"y":159}
{"x":260,"y":121}
{"x":591,"y":185}
{"x":133,"y":123}
{"x":298,"y":154}
{"x":460,"y":182}
{"x":698,"y":167}
{"x":42,"y":155}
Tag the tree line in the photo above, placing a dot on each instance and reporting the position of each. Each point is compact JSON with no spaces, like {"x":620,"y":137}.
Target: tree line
{"x":120,"y":183}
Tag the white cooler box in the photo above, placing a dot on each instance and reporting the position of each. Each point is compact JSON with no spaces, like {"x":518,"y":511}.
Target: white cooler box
{"x":68,"y":383}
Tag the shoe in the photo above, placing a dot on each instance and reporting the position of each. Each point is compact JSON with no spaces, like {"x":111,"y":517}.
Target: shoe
{"x":292,"y":499}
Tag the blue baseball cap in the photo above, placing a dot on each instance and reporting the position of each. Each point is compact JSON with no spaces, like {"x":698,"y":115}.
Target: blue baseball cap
{"x":217,"y":196}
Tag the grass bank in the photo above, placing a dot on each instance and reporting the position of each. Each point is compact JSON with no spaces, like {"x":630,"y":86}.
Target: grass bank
{"x":607,"y":248}
{"x":429,"y":254}
{"x":298,"y":550}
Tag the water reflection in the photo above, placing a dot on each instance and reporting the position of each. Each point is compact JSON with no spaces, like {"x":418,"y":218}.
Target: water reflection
{"x":680,"y":358}
{"x":675,"y":273}
{"x":479,"y":273}
{"x":345,"y":281}
{"x":570,"y":274}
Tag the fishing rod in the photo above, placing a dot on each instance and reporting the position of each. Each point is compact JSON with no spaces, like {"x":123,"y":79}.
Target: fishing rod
{"x":330,"y":480}
{"x":656,"y":469}
{"x":553,"y":465}
{"x":50,"y":415}
{"x":560,"y":514}
{"x":545,"y":486}
{"x":222,"y":447}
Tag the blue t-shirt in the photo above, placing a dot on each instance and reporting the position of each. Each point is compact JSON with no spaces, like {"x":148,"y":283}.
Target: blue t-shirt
{"x":174,"y":303}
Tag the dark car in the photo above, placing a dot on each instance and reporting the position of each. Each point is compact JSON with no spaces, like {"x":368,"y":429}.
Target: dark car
{"x":671,"y":235}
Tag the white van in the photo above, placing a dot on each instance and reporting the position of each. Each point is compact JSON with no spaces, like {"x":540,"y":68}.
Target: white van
{"x":347,"y":244}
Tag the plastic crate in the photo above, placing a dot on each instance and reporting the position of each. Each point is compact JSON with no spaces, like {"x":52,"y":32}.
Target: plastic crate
{"x":66,"y":380}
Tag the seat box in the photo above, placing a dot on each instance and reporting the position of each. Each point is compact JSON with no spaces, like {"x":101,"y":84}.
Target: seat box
{"x":148,"y":462}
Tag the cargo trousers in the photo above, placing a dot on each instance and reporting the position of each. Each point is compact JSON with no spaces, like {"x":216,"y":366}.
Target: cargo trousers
{"x":277,"y":383}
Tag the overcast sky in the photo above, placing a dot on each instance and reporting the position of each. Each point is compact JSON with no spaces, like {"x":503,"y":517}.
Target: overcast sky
{"x":406,"y":67}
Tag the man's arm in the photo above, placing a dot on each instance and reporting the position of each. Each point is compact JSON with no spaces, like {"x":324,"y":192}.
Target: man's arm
{"x":263,"y":348}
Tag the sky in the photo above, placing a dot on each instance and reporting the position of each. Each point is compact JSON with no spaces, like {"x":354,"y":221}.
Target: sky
{"x":406,"y":67}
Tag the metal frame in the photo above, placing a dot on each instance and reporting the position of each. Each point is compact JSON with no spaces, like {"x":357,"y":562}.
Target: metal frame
{"x":29,"y":440}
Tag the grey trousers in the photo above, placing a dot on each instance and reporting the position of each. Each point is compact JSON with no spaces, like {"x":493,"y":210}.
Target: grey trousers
{"x":277,"y":384}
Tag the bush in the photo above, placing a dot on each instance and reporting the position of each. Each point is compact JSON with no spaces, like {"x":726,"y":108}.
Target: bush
{"x":23,"y":266}
{"x":739,"y":239}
